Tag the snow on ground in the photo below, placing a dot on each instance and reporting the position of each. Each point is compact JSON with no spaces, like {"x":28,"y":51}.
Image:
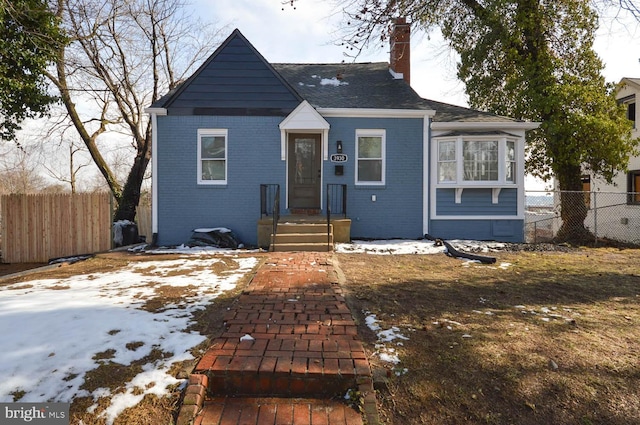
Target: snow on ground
{"x":419,"y":247}
{"x":407,"y":246}
{"x":387,"y":339}
{"x":53,"y":328}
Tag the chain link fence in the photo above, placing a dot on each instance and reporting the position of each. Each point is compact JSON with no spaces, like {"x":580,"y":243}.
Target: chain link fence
{"x":610,"y":216}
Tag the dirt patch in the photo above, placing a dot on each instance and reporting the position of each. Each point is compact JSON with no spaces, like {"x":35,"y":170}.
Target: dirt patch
{"x":168,"y":295}
{"x":548,"y":338}
{"x":7,"y":269}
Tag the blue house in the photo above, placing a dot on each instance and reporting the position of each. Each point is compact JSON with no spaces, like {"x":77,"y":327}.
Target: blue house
{"x":246,"y":144}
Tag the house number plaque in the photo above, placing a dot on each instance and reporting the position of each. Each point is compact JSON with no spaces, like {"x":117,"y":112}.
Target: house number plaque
{"x":338,"y":157}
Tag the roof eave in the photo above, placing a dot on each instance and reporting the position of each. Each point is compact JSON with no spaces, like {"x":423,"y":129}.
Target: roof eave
{"x":156,"y":111}
{"x":628,"y":80}
{"x":375,"y":113}
{"x":470,"y":125}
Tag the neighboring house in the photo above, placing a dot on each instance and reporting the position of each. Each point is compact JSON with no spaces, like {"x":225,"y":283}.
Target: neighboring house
{"x":629,"y":95}
{"x":409,"y":166}
{"x":614,"y":208}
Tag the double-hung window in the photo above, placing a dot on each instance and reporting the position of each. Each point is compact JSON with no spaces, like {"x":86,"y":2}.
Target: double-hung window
{"x":630,"y":104}
{"x":212,"y":156}
{"x":370,"y":157}
{"x":510,"y":162}
{"x":447,"y":161}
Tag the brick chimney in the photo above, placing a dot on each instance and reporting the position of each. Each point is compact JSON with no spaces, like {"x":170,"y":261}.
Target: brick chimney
{"x":400,"y":57}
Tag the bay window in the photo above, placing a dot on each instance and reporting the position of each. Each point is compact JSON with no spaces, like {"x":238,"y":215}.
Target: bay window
{"x":469,"y":161}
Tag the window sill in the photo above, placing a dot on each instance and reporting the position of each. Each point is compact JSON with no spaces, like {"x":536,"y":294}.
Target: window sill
{"x":213,"y":185}
{"x":369,"y":186}
{"x":483,"y":185}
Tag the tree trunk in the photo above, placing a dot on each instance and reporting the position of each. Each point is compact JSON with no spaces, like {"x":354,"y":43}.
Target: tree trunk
{"x":128,"y":202}
{"x":573,"y":207}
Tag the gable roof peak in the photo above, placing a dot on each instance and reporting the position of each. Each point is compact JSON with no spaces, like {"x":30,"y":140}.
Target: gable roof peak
{"x":236,"y":40}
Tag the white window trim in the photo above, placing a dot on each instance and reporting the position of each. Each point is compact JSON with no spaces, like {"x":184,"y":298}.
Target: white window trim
{"x":215,"y":132}
{"x":371,"y":133}
{"x":459,"y":181}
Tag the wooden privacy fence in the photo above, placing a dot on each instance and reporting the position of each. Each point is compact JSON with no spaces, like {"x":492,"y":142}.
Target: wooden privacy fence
{"x":36,"y":228}
{"x":143,"y":220}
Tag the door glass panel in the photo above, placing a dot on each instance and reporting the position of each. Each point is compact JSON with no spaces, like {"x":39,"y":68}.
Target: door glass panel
{"x":304,"y":151}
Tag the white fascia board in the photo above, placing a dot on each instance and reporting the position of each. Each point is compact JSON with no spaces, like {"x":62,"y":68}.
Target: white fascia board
{"x":375,"y":113}
{"x":485,"y":125}
{"x":478,"y":217}
{"x":156,"y":111}
{"x":154,"y":173}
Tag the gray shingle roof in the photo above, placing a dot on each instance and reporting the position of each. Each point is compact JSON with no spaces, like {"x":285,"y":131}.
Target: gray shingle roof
{"x":368,"y":85}
{"x":236,"y":79}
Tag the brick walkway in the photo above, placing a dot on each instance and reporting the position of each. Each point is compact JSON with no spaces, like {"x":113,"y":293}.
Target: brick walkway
{"x":289,"y":354}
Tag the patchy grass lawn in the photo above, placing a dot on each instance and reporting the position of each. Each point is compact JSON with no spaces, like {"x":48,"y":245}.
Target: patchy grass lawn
{"x":549,"y":338}
{"x":537,"y":338}
{"x":116,"y":335}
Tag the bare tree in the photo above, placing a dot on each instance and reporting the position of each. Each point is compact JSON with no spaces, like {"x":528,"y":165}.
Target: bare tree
{"x":75,"y":162}
{"x":17,"y":173}
{"x":122,"y":55}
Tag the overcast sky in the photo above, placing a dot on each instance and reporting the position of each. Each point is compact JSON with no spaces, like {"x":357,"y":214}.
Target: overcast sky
{"x":307,"y":34}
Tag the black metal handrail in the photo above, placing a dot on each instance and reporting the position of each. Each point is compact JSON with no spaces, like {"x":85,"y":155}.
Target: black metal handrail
{"x":336,"y":203}
{"x":270,"y":204}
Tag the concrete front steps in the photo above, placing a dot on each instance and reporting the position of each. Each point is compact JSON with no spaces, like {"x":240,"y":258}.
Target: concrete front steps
{"x":302,"y":236}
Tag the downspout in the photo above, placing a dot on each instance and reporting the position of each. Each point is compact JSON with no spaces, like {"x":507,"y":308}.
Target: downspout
{"x":154,"y":112}
{"x":426,"y":183}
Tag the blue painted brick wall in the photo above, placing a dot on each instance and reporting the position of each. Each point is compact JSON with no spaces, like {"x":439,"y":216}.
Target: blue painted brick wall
{"x":477,"y":202}
{"x":397,"y":212}
{"x":253,"y":158}
{"x":487,"y":230}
